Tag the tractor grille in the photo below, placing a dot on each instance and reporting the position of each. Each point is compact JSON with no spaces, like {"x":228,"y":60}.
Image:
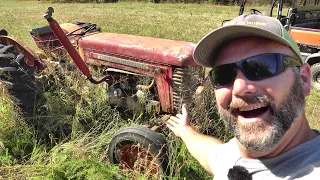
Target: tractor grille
{"x":184,"y":84}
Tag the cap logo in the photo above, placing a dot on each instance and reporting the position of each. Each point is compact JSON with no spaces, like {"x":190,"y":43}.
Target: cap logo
{"x":242,"y":26}
{"x":252,"y":23}
{"x":255,"y":23}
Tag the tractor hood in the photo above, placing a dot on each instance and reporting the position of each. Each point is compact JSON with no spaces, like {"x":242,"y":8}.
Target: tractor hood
{"x":152,"y":50}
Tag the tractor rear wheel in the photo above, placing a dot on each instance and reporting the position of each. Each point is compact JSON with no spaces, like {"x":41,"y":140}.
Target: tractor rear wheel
{"x":315,"y":76}
{"x":140,"y":149}
{"x":18,"y":78}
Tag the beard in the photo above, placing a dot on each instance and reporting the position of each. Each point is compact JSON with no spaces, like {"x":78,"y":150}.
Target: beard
{"x":263,"y":135}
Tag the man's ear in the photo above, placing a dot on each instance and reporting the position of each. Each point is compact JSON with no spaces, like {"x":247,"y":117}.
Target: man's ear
{"x":305,"y":74}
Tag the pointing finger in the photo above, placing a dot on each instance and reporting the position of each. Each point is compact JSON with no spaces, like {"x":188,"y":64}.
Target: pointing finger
{"x":184,"y":110}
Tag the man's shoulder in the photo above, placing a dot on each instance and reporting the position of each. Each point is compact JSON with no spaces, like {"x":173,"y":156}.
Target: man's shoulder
{"x":229,"y":147}
{"x":303,"y":161}
{"x":304,"y":153}
{"x":224,"y":157}
{"x":310,"y":146}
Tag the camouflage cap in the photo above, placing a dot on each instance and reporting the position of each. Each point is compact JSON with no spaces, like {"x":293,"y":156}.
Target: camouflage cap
{"x":242,"y":26}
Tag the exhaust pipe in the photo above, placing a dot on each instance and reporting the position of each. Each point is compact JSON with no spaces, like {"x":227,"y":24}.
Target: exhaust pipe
{"x":55,"y":27}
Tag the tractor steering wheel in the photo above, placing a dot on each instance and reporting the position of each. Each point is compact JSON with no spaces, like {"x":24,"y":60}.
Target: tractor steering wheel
{"x":88,"y":27}
{"x":255,"y":11}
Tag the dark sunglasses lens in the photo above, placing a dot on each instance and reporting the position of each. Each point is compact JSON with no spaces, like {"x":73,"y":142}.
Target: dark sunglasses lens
{"x":222,"y":75}
{"x":260,"y":67}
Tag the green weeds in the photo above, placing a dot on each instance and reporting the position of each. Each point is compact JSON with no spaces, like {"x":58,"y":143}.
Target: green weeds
{"x":16,"y":138}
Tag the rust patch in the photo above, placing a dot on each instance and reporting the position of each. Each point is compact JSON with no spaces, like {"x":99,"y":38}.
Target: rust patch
{"x":163,"y":51}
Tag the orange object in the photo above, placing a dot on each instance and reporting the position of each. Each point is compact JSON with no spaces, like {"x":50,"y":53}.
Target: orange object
{"x":306,"y":36}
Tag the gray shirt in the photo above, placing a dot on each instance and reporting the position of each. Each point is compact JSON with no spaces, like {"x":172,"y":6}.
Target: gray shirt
{"x":300,"y":162}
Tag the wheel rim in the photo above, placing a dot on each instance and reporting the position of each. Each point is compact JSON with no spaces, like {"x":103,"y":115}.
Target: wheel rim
{"x":316,"y":80}
{"x":318,"y":77}
{"x":138,"y":158}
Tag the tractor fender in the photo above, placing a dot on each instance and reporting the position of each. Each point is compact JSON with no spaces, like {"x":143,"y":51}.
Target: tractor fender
{"x":32,"y":59}
{"x":313,"y":59}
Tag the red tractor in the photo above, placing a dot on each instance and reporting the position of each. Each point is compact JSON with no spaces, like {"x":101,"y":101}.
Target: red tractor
{"x":142,"y":73}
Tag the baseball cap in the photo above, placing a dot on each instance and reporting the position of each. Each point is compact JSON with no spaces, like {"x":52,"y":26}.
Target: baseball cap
{"x":242,"y":26}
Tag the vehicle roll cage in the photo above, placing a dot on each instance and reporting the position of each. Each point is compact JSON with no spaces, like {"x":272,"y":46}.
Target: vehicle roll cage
{"x":285,"y":20}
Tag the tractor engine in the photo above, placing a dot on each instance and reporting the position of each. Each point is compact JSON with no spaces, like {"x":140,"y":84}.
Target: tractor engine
{"x":143,"y":73}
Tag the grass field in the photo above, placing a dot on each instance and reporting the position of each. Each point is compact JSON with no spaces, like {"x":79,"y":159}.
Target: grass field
{"x":51,"y":153}
{"x":170,"y":21}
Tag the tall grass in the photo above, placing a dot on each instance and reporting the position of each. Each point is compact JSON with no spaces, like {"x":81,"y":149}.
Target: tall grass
{"x":16,"y":138}
{"x":313,"y":110}
{"x":221,"y":2}
{"x":68,"y":138}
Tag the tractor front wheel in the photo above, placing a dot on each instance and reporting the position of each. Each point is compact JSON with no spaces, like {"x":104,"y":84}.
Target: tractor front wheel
{"x":315,"y":76}
{"x":140,"y":149}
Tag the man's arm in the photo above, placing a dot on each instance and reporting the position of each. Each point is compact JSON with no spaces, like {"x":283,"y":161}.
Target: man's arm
{"x":199,"y":145}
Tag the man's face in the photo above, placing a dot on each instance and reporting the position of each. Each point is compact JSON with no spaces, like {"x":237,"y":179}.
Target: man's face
{"x":259,"y":112}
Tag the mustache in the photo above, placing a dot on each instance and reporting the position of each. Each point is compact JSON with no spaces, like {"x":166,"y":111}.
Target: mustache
{"x":237,"y":103}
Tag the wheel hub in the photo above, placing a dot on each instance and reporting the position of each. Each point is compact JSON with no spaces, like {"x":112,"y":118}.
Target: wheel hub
{"x":136,"y":157}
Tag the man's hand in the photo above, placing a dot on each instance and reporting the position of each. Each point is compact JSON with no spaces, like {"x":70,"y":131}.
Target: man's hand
{"x":199,"y":145}
{"x":180,"y":123}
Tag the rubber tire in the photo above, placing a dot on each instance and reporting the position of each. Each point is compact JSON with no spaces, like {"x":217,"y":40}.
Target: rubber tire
{"x":19,"y":78}
{"x":315,"y":73}
{"x":147,"y":138}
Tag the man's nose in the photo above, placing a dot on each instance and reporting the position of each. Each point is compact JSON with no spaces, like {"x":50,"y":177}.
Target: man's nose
{"x":242,"y":86}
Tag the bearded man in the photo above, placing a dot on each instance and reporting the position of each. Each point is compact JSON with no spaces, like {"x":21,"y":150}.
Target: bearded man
{"x":260,"y":83}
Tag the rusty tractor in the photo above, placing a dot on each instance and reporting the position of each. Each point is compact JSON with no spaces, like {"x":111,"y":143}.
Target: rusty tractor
{"x":143,"y":74}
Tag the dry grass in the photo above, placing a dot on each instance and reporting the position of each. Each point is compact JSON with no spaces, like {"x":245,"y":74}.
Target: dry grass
{"x":313,"y":109}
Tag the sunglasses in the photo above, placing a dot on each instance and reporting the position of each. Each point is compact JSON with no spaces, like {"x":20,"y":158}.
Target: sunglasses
{"x":254,"y":68}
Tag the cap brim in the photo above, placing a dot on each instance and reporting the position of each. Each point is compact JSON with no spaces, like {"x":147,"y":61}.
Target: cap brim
{"x":206,"y":50}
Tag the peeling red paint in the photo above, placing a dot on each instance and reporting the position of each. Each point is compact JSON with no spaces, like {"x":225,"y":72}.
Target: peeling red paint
{"x":163,"y":51}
